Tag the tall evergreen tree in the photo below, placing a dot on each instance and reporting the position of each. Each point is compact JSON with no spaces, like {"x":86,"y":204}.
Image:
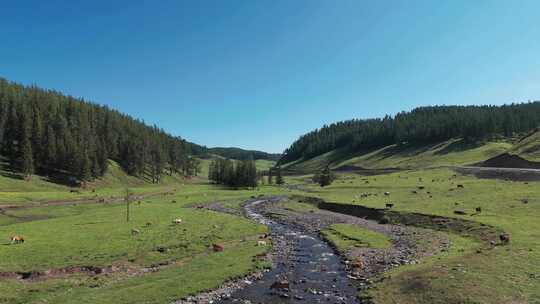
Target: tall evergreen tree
{"x":270,"y":181}
{"x":27,"y":158}
{"x":325,"y":177}
{"x":279,"y":177}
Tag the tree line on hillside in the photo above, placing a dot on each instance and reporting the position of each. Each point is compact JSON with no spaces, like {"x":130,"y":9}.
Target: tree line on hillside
{"x":421,"y":125}
{"x":50,"y":133}
{"x":241,"y":154}
{"x":231,"y":173}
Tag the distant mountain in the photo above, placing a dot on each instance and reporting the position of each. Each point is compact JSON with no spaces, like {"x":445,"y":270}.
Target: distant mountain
{"x":241,"y":154}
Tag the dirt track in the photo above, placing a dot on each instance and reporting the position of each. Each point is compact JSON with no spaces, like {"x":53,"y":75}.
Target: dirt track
{"x":510,"y":174}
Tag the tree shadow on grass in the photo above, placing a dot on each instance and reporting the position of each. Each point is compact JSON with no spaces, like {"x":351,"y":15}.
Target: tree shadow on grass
{"x":459,"y":146}
{"x":405,"y":150}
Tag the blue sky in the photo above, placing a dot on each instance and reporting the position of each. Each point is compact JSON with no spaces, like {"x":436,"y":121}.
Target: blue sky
{"x":258,"y":74}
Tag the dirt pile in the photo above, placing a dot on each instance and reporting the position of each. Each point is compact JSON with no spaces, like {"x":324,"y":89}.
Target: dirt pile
{"x":506,"y":160}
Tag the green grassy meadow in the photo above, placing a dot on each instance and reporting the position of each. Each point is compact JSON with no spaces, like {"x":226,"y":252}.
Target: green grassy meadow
{"x":346,"y":236}
{"x":505,"y":274}
{"x":86,"y":232}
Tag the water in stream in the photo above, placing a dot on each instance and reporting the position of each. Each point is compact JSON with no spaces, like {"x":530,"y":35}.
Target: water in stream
{"x":304,"y":262}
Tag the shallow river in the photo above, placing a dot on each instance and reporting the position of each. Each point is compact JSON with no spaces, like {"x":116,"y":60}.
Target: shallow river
{"x":306,"y":271}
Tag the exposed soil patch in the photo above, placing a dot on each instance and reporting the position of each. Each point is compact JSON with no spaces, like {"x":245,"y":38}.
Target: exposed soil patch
{"x":488,"y":234}
{"x":504,"y":166}
{"x":508,"y":174}
{"x":506,"y":160}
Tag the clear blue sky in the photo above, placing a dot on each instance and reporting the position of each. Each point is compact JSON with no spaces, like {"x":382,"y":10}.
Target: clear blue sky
{"x":257,"y":74}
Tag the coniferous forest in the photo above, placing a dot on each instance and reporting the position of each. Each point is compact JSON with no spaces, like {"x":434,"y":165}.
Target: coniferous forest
{"x":46,"y":132}
{"x":241,"y":173}
{"x":420,"y":126}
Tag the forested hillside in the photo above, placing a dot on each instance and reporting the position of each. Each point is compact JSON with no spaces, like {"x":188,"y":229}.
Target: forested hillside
{"x":241,"y":154}
{"x":46,"y":132}
{"x":420,"y":126}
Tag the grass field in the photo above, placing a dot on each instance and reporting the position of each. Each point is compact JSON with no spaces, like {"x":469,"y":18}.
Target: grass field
{"x":528,"y":147}
{"x":346,"y":236}
{"x":85,"y":233}
{"x":508,"y":274}
{"x":98,"y":235}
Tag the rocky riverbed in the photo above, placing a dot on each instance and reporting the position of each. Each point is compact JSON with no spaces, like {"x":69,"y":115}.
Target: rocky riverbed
{"x":306,"y":269}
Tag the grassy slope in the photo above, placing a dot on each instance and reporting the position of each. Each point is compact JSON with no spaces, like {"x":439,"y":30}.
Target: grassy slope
{"x":39,"y":189}
{"x":528,"y":147}
{"x":509,"y":274}
{"x":452,"y":152}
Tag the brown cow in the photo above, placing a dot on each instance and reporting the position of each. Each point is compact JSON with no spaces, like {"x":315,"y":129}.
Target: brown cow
{"x":218,"y":247}
{"x":17,"y":239}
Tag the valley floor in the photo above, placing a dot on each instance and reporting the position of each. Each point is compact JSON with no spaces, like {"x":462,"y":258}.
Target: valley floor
{"x":84,"y":251}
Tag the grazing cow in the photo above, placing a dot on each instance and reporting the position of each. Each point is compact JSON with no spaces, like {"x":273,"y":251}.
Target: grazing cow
{"x":177,"y":221}
{"x":263,"y":236}
{"x":421,"y":187}
{"x":459,"y":212}
{"x":261,"y":243}
{"x":218,"y":247}
{"x":17,"y":239}
{"x":478,"y":209}
{"x":387,"y":193}
{"x":505,"y":238}
{"x":135,"y":231}
{"x":389,"y":205}
{"x":460,"y":186}
{"x":525,"y":201}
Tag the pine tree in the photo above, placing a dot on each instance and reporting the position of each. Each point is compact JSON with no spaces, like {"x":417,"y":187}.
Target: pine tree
{"x":37,"y":136}
{"x":270,"y":181}
{"x":27,"y":158}
{"x":51,"y":157}
{"x":25,"y":144}
{"x":279,"y":178}
{"x":85,"y":167}
{"x":325,"y":177}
